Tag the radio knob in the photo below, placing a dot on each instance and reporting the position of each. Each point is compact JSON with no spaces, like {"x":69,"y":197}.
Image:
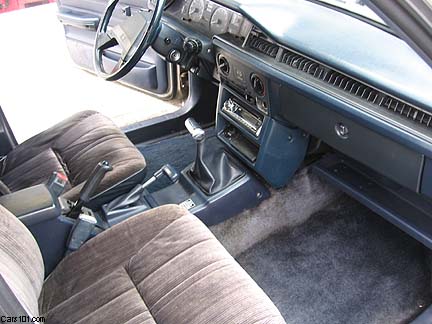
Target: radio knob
{"x":230,"y":105}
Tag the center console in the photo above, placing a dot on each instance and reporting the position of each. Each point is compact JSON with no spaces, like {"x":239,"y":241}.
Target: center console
{"x":245,"y":121}
{"x":214,"y":187}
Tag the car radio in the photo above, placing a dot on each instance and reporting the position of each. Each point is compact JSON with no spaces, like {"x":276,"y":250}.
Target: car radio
{"x":251,"y":121}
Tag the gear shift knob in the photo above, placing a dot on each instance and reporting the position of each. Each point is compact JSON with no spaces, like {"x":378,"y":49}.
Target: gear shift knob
{"x":195,"y":129}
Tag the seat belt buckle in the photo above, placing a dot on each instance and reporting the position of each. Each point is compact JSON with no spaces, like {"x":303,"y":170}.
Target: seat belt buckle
{"x":81,"y":232}
{"x":57,"y":183}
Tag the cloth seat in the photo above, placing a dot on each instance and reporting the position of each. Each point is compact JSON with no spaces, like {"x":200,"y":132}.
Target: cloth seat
{"x":73,"y":147}
{"x":163,"y":266}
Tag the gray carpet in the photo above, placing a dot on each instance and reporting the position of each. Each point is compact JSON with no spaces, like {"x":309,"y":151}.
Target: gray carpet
{"x":304,"y":195}
{"x":343,"y":265}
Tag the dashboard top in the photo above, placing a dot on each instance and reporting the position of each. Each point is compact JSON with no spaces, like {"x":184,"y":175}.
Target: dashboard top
{"x":345,"y":43}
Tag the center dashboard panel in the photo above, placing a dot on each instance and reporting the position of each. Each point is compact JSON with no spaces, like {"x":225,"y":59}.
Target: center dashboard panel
{"x":246,"y":125}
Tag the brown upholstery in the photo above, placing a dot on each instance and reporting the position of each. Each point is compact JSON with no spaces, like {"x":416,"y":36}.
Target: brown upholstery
{"x":163,"y":266}
{"x":21,"y":264}
{"x":74,"y":147}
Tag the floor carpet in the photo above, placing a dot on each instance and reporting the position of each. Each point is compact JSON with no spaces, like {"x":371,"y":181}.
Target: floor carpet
{"x":178,"y":151}
{"x":343,"y":265}
{"x":290,"y":206}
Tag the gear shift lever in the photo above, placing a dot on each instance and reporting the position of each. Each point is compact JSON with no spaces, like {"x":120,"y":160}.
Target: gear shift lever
{"x":195,"y":130}
{"x":213,"y":169}
{"x":90,"y":187}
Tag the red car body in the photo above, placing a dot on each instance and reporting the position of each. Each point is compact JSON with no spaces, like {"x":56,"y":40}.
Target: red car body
{"x":10,"y":5}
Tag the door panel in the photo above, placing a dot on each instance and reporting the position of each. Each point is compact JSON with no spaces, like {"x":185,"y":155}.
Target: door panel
{"x":80,"y":19}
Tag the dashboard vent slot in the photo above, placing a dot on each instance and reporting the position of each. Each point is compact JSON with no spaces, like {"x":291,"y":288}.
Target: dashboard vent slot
{"x":354,"y":87}
{"x":261,"y":45}
{"x":407,"y":111}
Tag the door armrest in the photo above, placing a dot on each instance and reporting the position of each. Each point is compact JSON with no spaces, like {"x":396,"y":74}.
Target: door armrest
{"x":78,"y":20}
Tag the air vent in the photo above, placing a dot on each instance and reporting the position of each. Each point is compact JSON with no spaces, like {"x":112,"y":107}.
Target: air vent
{"x":261,"y":45}
{"x":354,"y":87}
{"x":258,"y":85}
{"x":223,"y":64}
{"x":419,"y":116}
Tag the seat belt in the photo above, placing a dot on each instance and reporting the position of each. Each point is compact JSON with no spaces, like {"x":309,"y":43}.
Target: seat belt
{"x":10,"y":307}
{"x":80,"y":232}
{"x":4,"y":190}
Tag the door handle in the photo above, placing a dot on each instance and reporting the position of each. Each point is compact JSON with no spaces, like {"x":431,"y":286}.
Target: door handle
{"x":78,"y":20}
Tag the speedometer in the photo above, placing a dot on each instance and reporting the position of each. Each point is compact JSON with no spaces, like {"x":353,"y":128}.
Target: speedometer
{"x":196,"y":10}
{"x":220,"y":21}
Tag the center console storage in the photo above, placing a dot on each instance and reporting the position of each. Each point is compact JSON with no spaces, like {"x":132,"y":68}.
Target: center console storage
{"x":32,"y":205}
{"x":240,"y":143}
{"x":41,"y":211}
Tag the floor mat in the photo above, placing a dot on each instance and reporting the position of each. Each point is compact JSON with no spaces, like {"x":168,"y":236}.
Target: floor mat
{"x":178,"y":151}
{"x":290,"y":206}
{"x":344,"y":265}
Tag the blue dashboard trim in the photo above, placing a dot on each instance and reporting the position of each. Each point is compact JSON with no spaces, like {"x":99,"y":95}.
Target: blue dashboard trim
{"x":330,"y":101}
{"x":346,"y":43}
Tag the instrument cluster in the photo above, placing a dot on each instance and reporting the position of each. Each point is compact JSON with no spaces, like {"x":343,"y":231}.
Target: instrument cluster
{"x":211,"y":18}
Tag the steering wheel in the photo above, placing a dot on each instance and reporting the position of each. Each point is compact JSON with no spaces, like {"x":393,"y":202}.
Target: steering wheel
{"x":134,"y":35}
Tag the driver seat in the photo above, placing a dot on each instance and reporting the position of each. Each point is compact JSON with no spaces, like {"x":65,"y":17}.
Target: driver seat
{"x":73,"y":147}
{"x":162,"y":266}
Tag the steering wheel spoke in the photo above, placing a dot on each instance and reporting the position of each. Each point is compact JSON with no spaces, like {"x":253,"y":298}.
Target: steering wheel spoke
{"x":105,"y":41}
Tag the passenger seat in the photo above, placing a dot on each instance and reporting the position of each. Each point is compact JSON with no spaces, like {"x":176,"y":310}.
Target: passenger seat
{"x":163,"y":266}
{"x":74,"y":147}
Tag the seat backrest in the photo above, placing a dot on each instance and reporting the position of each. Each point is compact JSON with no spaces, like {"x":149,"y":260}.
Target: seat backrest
{"x":21,"y":264}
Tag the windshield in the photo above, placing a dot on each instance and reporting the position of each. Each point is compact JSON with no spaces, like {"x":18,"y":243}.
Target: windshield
{"x":357,"y":7}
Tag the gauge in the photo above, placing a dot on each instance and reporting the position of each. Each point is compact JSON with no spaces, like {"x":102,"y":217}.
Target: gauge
{"x":236,"y":24}
{"x":185,"y":9}
{"x":208,"y":11}
{"x":219,"y":21}
{"x":196,"y":10}
{"x":246,"y":28}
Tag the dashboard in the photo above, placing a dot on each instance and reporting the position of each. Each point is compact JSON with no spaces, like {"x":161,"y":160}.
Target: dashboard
{"x":316,"y":72}
{"x":292,"y":74}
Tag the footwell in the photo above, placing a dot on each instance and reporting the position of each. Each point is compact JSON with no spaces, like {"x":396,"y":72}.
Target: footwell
{"x":344,"y":265}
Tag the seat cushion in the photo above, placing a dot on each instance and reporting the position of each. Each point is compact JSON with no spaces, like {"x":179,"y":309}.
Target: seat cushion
{"x":35,"y":170}
{"x":73,"y":146}
{"x":163,"y":266}
{"x":21,"y":264}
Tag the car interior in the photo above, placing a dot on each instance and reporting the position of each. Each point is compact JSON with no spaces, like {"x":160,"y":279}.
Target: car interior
{"x":293,"y":185}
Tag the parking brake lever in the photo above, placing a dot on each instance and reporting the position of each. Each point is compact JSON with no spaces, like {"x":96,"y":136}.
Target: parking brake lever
{"x":90,"y":187}
{"x":135,"y":194}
